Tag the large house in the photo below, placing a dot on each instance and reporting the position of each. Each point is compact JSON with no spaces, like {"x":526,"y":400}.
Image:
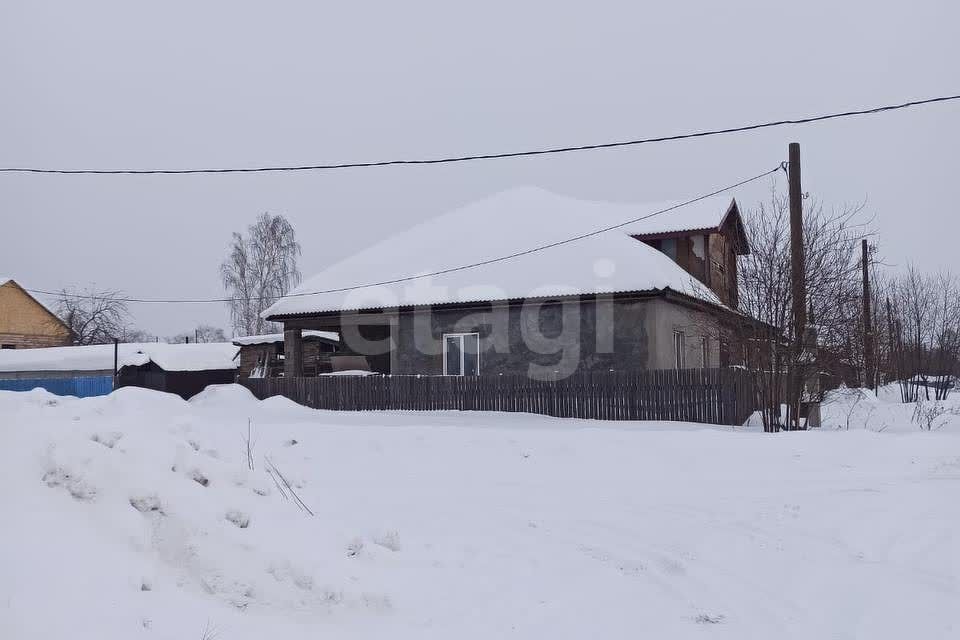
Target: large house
{"x":25,"y":323}
{"x":499,"y":287}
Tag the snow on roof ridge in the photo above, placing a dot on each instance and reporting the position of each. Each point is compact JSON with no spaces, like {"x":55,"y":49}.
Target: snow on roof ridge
{"x":504,"y":224}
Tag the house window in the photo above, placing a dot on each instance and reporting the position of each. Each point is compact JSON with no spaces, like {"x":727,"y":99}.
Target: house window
{"x":8,"y":346}
{"x":461,"y":354}
{"x":697,"y":246}
{"x":669,"y":247}
{"x":705,"y":352}
{"x":678,"y":348}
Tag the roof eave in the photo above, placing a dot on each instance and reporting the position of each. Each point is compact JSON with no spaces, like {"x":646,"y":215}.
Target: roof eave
{"x":646,"y":293}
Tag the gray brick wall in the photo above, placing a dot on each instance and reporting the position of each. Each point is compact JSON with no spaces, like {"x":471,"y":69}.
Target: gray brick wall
{"x":542,"y":340}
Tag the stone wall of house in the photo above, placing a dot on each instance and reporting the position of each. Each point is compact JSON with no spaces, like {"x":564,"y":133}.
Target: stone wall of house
{"x":663,"y":319}
{"x":545,"y":340}
{"x":552,"y":338}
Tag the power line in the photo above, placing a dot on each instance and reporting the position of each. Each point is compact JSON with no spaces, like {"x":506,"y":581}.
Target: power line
{"x":464,"y":267}
{"x":492,"y":156}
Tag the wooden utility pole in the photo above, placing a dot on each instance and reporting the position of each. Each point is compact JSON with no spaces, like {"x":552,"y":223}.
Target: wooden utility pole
{"x":798,"y":282}
{"x":868,"y":363}
{"x":797,"y":260}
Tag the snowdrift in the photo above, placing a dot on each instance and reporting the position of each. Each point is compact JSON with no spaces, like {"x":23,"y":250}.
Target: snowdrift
{"x":138,"y":515}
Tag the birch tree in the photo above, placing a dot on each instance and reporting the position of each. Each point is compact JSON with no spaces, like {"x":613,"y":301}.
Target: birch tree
{"x":260,"y":268}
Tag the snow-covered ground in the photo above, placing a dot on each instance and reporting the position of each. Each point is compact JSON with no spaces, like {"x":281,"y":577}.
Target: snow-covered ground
{"x":135,"y":516}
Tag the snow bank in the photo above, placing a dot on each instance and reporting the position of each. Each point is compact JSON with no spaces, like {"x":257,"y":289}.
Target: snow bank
{"x":137,"y":515}
{"x":883,"y":411}
{"x":233,"y":395}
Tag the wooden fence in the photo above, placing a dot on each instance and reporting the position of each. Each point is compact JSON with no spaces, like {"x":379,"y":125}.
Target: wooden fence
{"x":717,"y":396}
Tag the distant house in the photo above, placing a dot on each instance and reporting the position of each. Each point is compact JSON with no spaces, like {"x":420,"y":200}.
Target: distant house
{"x":263,"y":356}
{"x":657,"y":293}
{"x":25,"y":322}
{"x":184,"y":369}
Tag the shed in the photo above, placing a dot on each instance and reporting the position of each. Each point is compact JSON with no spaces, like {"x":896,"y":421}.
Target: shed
{"x":262,"y":356}
{"x":88,"y":370}
{"x":182,"y":369}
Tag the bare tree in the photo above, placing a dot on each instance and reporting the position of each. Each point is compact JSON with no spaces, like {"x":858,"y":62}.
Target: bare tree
{"x":95,"y":317}
{"x":259,"y":269}
{"x":209,"y":333}
{"x":925,"y":327}
{"x":830,"y":243}
{"x":137,"y":335}
{"x":203,"y":333}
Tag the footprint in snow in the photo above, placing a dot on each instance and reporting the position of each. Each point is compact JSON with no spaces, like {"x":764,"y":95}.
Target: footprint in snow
{"x":109,"y":440}
{"x":146,"y":504}
{"x":75,"y":486}
{"x":238,"y":518}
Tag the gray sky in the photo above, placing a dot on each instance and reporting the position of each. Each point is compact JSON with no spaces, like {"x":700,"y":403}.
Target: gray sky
{"x":212,"y":84}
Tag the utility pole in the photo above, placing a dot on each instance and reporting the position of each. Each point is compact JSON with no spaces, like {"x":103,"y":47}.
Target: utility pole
{"x":868,"y":363}
{"x":798,"y":284}
{"x":116,"y":358}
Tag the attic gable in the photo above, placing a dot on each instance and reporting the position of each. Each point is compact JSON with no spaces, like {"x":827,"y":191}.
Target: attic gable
{"x":21,"y":313}
{"x":718,"y":220}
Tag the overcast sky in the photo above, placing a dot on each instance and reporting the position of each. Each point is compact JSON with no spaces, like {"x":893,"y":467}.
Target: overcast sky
{"x":215,"y":84}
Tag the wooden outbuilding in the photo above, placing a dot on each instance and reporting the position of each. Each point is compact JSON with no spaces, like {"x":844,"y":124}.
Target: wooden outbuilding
{"x":263,"y":356}
{"x":182,"y":369}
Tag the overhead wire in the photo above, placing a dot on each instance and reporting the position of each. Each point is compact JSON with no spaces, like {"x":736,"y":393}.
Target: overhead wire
{"x":493,"y":156}
{"x":463,"y":267}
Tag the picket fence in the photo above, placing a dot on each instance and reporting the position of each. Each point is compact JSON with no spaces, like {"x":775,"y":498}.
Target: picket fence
{"x":716,"y":396}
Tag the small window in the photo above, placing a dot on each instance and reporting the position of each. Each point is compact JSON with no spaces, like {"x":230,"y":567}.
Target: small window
{"x":678,"y":348}
{"x":461,"y":354}
{"x":8,"y":346}
{"x":697,"y":246}
{"x":669,"y":247}
{"x":705,"y":352}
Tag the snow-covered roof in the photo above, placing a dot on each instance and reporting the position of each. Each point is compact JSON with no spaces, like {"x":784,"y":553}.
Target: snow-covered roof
{"x":4,"y":280}
{"x":269,"y":338}
{"x":505,"y":224}
{"x":708,"y":213}
{"x":99,"y":357}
